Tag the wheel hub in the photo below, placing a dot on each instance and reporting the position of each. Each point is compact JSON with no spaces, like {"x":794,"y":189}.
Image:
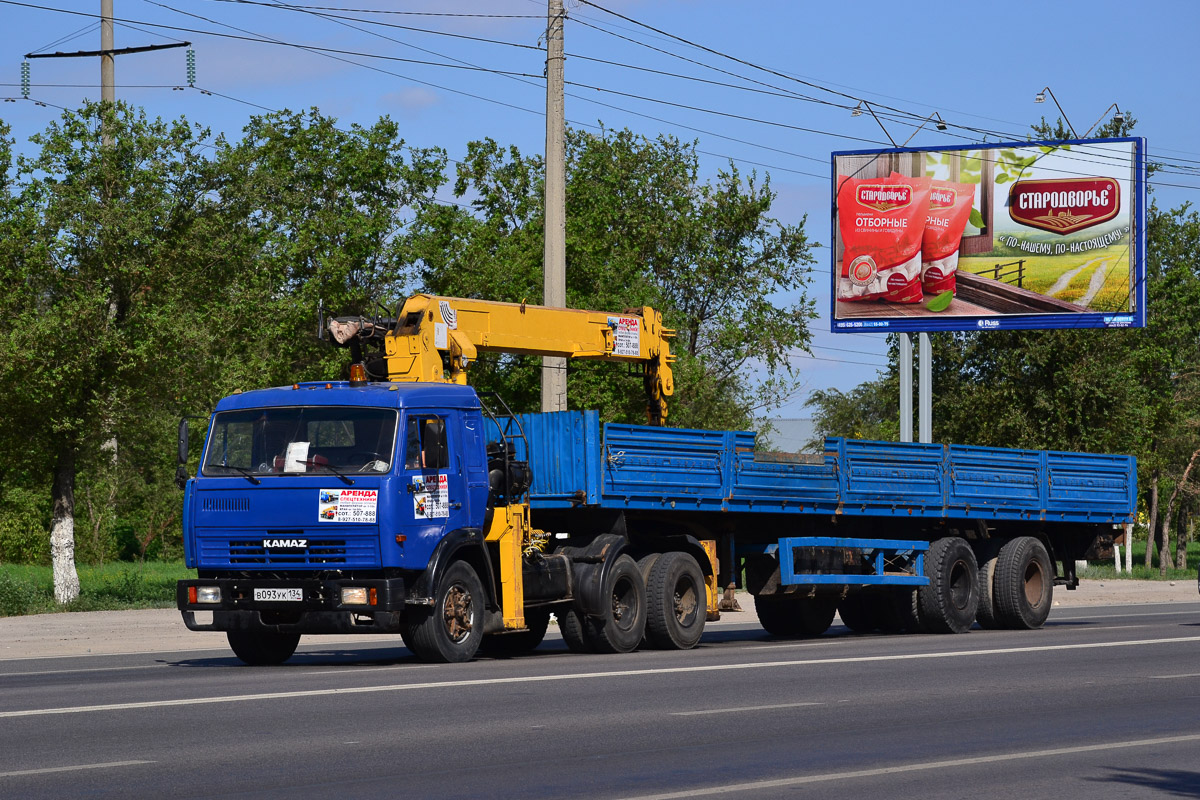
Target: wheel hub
{"x":456,"y":612}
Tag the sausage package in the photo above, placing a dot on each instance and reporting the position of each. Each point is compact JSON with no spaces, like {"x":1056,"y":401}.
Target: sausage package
{"x":882,"y":221}
{"x":949,"y":211}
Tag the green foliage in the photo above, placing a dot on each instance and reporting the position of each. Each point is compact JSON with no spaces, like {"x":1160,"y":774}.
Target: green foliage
{"x":24,"y":516}
{"x":868,"y":411}
{"x":29,"y":590}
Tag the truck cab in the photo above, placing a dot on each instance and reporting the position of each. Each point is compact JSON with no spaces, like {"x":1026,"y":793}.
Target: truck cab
{"x":319,"y":507}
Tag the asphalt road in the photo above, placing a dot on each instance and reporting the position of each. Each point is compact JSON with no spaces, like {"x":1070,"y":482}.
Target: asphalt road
{"x":1104,"y":702}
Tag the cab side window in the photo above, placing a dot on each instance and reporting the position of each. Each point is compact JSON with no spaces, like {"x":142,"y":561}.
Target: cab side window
{"x":425,"y":443}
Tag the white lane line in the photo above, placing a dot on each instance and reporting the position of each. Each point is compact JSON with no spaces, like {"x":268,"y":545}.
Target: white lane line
{"x":1165,"y":677}
{"x":73,"y":671}
{"x":406,"y":687}
{"x":800,"y":780}
{"x":743,"y":708}
{"x":48,"y":770}
{"x":1059,"y":617}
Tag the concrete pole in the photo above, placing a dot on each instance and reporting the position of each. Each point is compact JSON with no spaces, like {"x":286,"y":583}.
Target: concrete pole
{"x":925,"y":389}
{"x":108,"y":90}
{"x":906,"y":387}
{"x":554,"y":369}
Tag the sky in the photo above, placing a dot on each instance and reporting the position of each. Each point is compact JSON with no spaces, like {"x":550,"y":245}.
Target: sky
{"x":768,"y":85}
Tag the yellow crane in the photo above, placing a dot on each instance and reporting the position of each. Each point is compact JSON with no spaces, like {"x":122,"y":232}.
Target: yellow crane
{"x":436,"y":339}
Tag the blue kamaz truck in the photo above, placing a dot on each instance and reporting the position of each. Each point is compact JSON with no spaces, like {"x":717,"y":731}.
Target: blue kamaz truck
{"x":389,"y":504}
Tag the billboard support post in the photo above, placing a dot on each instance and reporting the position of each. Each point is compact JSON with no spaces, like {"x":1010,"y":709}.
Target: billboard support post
{"x":925,"y":389}
{"x":906,"y":387}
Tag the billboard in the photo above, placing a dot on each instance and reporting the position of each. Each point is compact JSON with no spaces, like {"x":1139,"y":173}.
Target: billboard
{"x":991,"y":236}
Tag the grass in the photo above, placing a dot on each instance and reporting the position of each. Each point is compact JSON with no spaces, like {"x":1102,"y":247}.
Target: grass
{"x":30,"y":589}
{"x":1106,"y":570}
{"x":1041,"y":272}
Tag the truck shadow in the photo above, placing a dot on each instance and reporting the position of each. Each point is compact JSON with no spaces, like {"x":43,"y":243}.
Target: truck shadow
{"x":1175,"y":782}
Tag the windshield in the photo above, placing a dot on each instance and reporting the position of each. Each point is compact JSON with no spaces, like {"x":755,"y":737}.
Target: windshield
{"x":312,"y":439}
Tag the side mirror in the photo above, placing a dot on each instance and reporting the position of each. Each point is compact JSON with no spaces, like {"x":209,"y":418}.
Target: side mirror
{"x":183,"y":440}
{"x":181,"y":473}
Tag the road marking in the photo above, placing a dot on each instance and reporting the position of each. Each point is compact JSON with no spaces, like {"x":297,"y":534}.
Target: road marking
{"x":743,"y":708}
{"x":48,"y":770}
{"x":800,"y":780}
{"x":1188,"y":675}
{"x":73,"y":671}
{"x":625,"y":673}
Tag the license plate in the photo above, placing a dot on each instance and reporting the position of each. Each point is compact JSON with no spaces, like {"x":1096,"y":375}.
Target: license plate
{"x":273,"y":595}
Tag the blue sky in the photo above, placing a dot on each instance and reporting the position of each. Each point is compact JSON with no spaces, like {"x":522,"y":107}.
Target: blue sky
{"x":978,"y":66}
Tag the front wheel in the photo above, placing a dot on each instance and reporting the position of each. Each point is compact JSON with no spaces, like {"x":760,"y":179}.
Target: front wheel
{"x":452,"y":630}
{"x":262,"y":648}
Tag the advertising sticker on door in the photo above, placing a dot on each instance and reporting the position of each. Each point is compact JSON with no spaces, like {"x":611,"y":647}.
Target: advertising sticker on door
{"x":431,"y":497}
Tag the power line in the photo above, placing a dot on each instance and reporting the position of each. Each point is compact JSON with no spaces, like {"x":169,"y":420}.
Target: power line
{"x":396,"y":13}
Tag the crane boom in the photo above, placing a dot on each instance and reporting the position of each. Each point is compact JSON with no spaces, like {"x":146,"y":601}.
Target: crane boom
{"x":435,"y":339}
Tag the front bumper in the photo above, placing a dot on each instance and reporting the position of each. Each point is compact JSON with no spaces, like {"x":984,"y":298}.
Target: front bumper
{"x":320,"y":609}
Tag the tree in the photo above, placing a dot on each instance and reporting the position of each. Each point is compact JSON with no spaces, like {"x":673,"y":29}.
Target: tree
{"x":642,"y":229}
{"x":92,"y":278}
{"x":319,"y":214}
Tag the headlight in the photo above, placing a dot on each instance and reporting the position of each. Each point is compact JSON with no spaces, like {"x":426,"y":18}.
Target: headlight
{"x":204,"y":594}
{"x":355,"y":596}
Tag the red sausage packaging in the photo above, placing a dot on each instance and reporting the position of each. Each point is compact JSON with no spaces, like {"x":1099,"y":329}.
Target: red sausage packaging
{"x":882,"y":221}
{"x":949,"y":210}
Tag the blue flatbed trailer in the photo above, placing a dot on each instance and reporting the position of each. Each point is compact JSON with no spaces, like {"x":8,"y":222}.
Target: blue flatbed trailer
{"x":411,"y":508}
{"x":854,"y":522}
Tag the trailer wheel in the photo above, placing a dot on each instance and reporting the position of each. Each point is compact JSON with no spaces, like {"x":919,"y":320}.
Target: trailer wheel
{"x":985,"y":613}
{"x":676,"y":602}
{"x":452,"y":630}
{"x":1024,"y":584}
{"x":792,"y":615}
{"x":262,"y":648}
{"x":507,"y":645}
{"x":949,"y":602}
{"x":860,"y":612}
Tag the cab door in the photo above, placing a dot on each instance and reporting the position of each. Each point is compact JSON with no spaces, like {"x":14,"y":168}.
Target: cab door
{"x":433,"y":474}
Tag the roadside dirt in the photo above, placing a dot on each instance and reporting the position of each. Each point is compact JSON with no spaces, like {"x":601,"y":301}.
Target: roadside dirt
{"x":162,"y":630}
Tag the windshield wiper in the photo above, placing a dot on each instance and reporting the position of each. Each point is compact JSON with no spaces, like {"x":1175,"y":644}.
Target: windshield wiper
{"x":245,"y":472}
{"x":333,"y":469}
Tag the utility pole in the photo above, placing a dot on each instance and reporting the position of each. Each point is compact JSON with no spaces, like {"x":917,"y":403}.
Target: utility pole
{"x":554,"y":369}
{"x":108,"y":65}
{"x":108,"y":53}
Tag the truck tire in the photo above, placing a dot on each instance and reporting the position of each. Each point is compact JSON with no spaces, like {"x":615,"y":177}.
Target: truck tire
{"x":949,"y":602}
{"x":860,"y":612}
{"x":676,"y":602}
{"x":1024,"y":584}
{"x":518,"y":643}
{"x":985,"y":613}
{"x":452,"y":630}
{"x":262,"y":648}
{"x":794,"y":616}
{"x":574,"y":631}
{"x":899,"y":612}
{"x":621,"y":628}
